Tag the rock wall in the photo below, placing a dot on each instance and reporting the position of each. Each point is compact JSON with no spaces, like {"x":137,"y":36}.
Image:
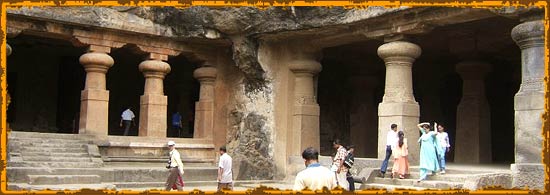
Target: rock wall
{"x":250,"y":134}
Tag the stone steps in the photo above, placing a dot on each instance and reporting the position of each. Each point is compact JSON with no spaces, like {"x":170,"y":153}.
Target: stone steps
{"x":56,"y":154}
{"x":38,"y":140}
{"x":56,"y":158}
{"x":432,"y":184}
{"x":31,"y":135}
{"x":55,"y":164}
{"x":56,"y":145}
{"x":389,"y":187}
{"x":53,"y":149}
{"x":63,"y":179}
{"x":160,"y":184}
{"x":26,"y":187}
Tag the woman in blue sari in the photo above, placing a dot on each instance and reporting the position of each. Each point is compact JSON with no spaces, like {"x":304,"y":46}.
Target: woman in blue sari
{"x":428,"y":151}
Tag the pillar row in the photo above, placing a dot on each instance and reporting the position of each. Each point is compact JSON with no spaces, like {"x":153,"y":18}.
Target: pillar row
{"x":153,"y":102}
{"x":473,"y":131}
{"x":204,"y":108}
{"x":305,"y":117}
{"x":94,"y":101}
{"x":398,"y":104}
{"x":528,"y":169}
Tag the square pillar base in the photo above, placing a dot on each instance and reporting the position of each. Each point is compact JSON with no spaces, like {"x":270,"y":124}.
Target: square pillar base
{"x":405,"y":116}
{"x":152,"y":115}
{"x":94,"y":112}
{"x":204,"y":119}
{"x":306,"y":131}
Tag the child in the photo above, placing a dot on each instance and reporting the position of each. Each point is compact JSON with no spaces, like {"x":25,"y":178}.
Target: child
{"x":400,"y":156}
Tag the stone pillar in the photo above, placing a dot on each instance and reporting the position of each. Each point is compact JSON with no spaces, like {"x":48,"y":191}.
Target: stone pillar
{"x":528,"y":169}
{"x":473,"y":122}
{"x":153,"y":102}
{"x":204,"y":108}
{"x":305,"y":117}
{"x":398,"y":104}
{"x":94,"y":100}
{"x":363,"y":116}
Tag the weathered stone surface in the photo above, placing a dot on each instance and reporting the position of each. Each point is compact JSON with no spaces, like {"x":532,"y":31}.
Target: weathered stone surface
{"x":528,"y":175}
{"x":480,"y":181}
{"x":250,"y":147}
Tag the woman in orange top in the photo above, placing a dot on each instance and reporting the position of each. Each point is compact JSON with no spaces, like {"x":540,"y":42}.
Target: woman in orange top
{"x":400,"y":156}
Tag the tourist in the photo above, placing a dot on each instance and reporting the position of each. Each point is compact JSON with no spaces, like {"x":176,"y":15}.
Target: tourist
{"x":400,"y":156}
{"x":315,"y":176}
{"x":391,"y":139}
{"x":225,"y":175}
{"x":444,"y":145}
{"x":127,"y":119}
{"x":348,"y":163}
{"x":338,"y":164}
{"x":428,"y":156}
{"x":177,"y":123}
{"x":175,"y":166}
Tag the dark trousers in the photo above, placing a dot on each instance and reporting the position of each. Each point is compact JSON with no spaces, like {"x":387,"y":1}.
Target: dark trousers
{"x":173,"y":179}
{"x":385,"y":163}
{"x":127,"y":124}
{"x":351,"y":183}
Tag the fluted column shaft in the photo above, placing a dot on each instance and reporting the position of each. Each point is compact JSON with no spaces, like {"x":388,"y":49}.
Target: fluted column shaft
{"x":153,"y":102}
{"x":204,"y":108}
{"x":94,"y":101}
{"x":305,"y":118}
{"x":529,"y":105}
{"x":398,"y":105}
{"x":473,"y":131}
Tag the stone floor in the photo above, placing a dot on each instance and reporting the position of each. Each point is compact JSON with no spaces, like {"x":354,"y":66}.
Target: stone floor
{"x":210,"y":185}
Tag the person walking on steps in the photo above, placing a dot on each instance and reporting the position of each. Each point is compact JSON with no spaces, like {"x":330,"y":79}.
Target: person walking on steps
{"x":338,"y":164}
{"x":428,"y":153}
{"x":175,"y":167}
{"x":400,"y":156}
{"x":444,"y":145}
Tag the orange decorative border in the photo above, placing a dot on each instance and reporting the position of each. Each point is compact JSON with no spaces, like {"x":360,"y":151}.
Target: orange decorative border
{"x":263,"y":4}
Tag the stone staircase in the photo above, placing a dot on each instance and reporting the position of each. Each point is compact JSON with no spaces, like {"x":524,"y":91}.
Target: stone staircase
{"x":46,"y":160}
{"x":39,"y":161}
{"x":454,"y":178}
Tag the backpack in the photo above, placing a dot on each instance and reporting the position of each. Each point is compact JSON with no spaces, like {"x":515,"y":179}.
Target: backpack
{"x":348,"y":161}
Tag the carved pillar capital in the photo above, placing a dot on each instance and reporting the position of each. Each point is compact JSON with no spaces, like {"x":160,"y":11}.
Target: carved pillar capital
{"x":305,"y":66}
{"x":529,"y":34}
{"x":206,"y":75}
{"x":399,"y":53}
{"x":8,"y":49}
{"x":154,"y":70}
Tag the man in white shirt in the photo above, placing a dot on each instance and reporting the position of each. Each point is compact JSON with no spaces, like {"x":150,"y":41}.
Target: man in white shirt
{"x":338,"y":164}
{"x":176,"y":169}
{"x":443,"y":139}
{"x":225,"y":175}
{"x":391,"y":139}
{"x":127,"y":119}
{"x":315,"y":176}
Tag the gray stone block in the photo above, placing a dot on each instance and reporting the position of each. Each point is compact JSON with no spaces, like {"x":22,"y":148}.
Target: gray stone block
{"x":480,"y":181}
{"x":63,"y":179}
{"x":528,"y":175}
